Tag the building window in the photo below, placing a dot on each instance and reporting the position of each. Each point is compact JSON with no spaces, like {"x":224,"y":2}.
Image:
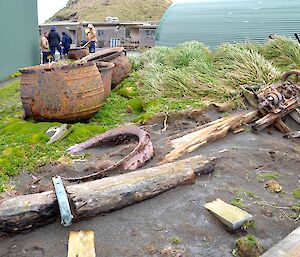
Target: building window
{"x":149,"y":33}
{"x":127,"y":33}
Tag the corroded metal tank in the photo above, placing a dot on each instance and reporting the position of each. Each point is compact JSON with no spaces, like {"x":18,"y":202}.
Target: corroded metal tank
{"x":64,"y":93}
{"x":117,"y":56}
{"x":77,"y":53}
{"x":106,"y":69}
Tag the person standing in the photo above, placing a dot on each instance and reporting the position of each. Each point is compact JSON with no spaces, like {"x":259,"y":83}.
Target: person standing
{"x":44,"y":44}
{"x":92,"y":37}
{"x":66,"y":43}
{"x":54,"y":42}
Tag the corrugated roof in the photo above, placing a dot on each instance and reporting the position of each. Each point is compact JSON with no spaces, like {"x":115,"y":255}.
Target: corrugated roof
{"x":216,"y":21}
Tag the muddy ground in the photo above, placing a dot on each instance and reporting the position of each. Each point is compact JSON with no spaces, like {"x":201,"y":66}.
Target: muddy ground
{"x":145,"y":229}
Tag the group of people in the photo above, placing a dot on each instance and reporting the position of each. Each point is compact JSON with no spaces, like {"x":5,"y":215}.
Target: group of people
{"x":50,"y":42}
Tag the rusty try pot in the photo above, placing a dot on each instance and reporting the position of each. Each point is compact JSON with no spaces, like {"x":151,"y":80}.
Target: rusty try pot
{"x":78,"y":53}
{"x":114,"y":55}
{"x":61,"y":92}
{"x":106,"y":69}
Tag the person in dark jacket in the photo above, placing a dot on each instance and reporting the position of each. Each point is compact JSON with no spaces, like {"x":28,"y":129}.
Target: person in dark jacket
{"x":54,"y":42}
{"x":66,"y":43}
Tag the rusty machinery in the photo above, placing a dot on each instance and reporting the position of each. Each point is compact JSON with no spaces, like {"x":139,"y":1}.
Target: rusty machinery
{"x":283,"y":95}
{"x":279,"y":100}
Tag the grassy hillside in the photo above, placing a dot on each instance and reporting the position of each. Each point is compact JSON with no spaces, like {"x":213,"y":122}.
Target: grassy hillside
{"x":126,"y":10}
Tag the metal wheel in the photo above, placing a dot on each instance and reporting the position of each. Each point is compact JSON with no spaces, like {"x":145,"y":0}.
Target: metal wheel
{"x":292,"y":76}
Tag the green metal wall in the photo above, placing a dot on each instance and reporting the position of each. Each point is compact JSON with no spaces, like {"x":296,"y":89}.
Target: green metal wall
{"x":19,"y":35}
{"x":216,"y":21}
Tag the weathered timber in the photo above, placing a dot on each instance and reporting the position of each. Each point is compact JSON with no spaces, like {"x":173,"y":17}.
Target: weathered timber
{"x":81,"y":244}
{"x":229,"y":215}
{"x":295,"y":134}
{"x":101,"y":196}
{"x":208,"y":133}
{"x":271,"y":118}
{"x":253,"y":101}
{"x":295,"y":115}
{"x":288,"y":247}
{"x":114,"y":193}
{"x":27,"y":212}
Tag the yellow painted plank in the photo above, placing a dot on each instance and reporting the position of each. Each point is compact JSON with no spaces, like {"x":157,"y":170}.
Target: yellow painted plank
{"x":228,"y":214}
{"x":81,"y":244}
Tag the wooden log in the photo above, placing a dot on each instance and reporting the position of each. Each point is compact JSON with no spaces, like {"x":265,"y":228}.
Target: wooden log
{"x":288,"y":247}
{"x":208,"y":133}
{"x":101,"y":196}
{"x":27,"y":212}
{"x":114,"y":193}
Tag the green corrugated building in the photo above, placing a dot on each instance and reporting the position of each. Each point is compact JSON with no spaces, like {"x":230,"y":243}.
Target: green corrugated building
{"x":19,"y":35}
{"x":217,"y":21}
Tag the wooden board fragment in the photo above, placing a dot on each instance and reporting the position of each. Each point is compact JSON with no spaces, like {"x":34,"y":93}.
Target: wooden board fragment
{"x":208,"y":133}
{"x":288,"y":247}
{"x":81,"y":244}
{"x":228,"y":214}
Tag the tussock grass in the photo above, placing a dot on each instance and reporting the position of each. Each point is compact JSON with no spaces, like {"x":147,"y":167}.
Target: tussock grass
{"x":241,"y":66}
{"x":284,"y":52}
{"x":186,"y":71}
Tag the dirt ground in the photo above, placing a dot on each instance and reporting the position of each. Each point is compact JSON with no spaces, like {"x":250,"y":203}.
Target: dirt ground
{"x":145,"y":229}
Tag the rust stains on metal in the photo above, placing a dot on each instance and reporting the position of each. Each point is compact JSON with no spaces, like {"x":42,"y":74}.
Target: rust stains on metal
{"x":61,"y":92}
{"x":143,"y":151}
{"x":78,"y":53}
{"x":116,"y":55}
{"x":106,"y":69}
{"x":279,"y":100}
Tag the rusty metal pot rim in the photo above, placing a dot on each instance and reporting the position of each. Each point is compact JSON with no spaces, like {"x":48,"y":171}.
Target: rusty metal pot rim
{"x":55,"y":67}
{"x":104,"y":55}
{"x":104,"y":65}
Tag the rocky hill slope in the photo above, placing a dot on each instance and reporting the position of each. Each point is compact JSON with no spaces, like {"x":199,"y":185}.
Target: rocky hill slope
{"x":126,"y":10}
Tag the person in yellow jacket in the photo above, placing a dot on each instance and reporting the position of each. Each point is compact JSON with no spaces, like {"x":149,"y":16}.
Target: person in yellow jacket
{"x":92,"y":37}
{"x":44,"y":44}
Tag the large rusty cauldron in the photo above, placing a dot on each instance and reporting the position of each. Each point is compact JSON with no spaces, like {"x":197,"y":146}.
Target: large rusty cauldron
{"x":106,"y":69}
{"x":61,"y":92}
{"x":114,"y":55}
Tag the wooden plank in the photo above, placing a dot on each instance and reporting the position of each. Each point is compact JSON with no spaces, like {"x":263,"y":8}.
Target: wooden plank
{"x":208,"y":133}
{"x":81,"y":244}
{"x":228,"y":214}
{"x":288,"y":247}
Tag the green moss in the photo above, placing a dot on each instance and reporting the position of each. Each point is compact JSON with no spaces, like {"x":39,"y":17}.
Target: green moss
{"x":296,"y":207}
{"x":15,"y":75}
{"x":248,"y":246}
{"x":261,"y":177}
{"x":175,"y":240}
{"x":296,"y":193}
{"x":135,"y":105}
{"x":113,"y":112}
{"x":238,"y":202}
{"x":128,"y":87}
{"x":248,"y":224}
{"x":141,"y":119}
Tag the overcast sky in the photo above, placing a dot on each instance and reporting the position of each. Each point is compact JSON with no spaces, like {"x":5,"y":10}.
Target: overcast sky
{"x":47,"y":8}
